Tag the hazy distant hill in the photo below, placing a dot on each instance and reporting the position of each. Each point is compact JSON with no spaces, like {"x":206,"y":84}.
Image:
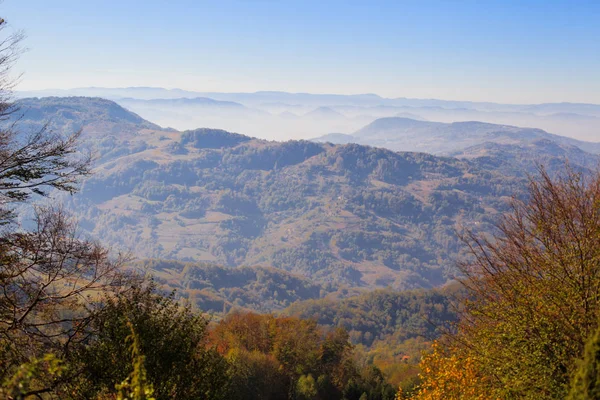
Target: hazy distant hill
{"x":194,"y":111}
{"x":571,"y":108}
{"x":266,"y":122}
{"x":336,"y":214}
{"x":182,"y":101}
{"x":147,"y":93}
{"x":323,"y":112}
{"x":404,"y":134}
{"x":336,"y":138}
{"x":329,"y":100}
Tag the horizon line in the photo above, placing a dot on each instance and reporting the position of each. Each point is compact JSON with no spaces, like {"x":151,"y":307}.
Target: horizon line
{"x":304,"y":93}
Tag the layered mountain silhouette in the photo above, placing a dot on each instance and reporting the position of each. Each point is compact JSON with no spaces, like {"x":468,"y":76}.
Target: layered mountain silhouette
{"x":283,"y":116}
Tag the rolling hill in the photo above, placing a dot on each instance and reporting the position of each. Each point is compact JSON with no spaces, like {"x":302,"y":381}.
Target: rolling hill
{"x":74,"y":113}
{"x":405,"y":134}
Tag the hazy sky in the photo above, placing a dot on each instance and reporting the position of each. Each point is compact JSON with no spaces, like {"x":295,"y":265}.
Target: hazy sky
{"x":504,"y":51}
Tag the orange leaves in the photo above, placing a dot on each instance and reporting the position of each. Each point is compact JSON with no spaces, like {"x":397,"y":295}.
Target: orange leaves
{"x":280,"y":355}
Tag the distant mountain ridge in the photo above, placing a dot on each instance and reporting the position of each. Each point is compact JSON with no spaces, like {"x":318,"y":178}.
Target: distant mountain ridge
{"x":320,"y":99}
{"x":269,"y":114}
{"x":183,"y":101}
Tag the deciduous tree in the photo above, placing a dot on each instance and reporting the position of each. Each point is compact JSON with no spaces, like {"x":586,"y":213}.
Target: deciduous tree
{"x":533,"y":291}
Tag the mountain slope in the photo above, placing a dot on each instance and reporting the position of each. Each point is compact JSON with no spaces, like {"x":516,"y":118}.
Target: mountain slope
{"x":108,"y":128}
{"x":405,"y":134}
{"x":527,"y":157}
{"x":218,"y":289}
{"x":349,"y":214}
{"x":67,"y":114}
{"x":338,"y":214}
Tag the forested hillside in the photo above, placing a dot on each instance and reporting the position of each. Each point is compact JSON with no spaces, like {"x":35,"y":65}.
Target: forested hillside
{"x":217,"y":289}
{"x":390,"y":329}
{"x":376,"y":315}
{"x":343,"y":214}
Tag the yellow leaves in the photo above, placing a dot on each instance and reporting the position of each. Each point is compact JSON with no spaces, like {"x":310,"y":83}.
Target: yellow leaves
{"x":449,"y":376}
{"x":32,"y":376}
{"x":400,"y":395}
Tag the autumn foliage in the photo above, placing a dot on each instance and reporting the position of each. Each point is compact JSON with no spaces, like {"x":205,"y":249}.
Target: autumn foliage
{"x":533,"y":298}
{"x":451,"y":376}
{"x":286,"y":357}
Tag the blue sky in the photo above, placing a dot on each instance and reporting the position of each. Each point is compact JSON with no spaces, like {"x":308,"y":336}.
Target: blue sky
{"x":503,"y":51}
